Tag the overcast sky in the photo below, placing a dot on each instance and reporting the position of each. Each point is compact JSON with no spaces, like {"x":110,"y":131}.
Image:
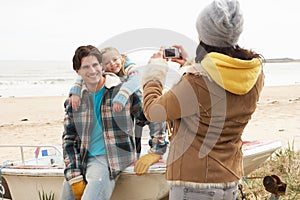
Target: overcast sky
{"x":53,"y":29}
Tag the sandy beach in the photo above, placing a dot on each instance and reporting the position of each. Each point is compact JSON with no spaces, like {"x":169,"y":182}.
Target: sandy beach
{"x":39,"y":120}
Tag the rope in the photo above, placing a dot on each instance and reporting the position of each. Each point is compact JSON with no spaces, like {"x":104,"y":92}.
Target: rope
{"x":240,"y":186}
{"x":170,"y":128}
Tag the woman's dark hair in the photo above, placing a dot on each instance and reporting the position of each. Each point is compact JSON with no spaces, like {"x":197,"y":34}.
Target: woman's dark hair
{"x":235,"y":52}
{"x":84,"y":51}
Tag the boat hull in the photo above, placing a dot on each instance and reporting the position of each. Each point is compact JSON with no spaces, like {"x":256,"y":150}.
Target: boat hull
{"x":24,"y":186}
{"x":28,"y":187}
{"x":257,"y":152}
{"x":148,"y":186}
{"x":26,"y":181}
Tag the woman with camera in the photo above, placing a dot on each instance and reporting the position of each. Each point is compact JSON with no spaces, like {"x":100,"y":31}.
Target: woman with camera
{"x":209,"y":107}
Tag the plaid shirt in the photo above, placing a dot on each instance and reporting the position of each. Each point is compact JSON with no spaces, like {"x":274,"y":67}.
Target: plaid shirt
{"x":118,"y":132}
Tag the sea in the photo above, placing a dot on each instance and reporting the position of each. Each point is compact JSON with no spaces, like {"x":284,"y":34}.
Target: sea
{"x":54,"y":78}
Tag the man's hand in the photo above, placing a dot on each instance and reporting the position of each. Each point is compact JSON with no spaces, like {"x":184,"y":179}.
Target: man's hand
{"x":142,"y":165}
{"x":78,"y":189}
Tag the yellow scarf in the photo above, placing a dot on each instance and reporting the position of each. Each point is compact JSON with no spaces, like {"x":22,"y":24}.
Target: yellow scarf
{"x":234,"y":75}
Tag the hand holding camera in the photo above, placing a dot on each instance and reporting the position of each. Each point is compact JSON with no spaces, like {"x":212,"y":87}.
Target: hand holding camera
{"x":176,"y":54}
{"x":171,"y":52}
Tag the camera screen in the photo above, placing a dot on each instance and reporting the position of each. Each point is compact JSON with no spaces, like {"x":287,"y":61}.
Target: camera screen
{"x":170,"y":52}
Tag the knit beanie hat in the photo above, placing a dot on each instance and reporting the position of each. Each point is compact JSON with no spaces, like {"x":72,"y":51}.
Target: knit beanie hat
{"x":220,"y":23}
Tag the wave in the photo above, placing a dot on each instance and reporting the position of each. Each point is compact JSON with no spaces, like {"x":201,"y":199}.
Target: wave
{"x":40,"y":79}
{"x":34,"y":82}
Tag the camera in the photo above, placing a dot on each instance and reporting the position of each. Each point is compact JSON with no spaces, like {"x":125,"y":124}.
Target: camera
{"x":171,"y":52}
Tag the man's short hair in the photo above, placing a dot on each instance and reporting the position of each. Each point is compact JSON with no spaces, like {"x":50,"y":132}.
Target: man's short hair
{"x":84,"y":51}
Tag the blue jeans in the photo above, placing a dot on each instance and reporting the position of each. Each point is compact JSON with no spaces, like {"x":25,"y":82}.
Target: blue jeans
{"x":186,"y":193}
{"x":99,"y":185}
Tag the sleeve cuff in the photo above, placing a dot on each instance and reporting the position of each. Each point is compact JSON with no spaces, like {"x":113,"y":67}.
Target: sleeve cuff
{"x":156,"y":70}
{"x":121,"y":98}
{"x":75,"y":90}
{"x":75,"y":180}
{"x":158,"y":144}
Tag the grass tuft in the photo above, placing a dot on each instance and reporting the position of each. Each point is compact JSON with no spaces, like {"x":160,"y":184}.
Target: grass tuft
{"x":44,"y":196}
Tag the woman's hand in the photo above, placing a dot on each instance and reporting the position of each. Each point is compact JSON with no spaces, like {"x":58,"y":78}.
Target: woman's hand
{"x":181,"y":60}
{"x":183,"y":55}
{"x":159,"y":54}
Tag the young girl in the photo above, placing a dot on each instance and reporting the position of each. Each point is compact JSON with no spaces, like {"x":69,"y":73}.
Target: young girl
{"x":121,"y":65}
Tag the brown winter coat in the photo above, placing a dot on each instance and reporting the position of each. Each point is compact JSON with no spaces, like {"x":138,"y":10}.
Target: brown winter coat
{"x":207,"y":119}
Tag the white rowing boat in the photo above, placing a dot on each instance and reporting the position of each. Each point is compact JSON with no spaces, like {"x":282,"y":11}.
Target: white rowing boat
{"x":25,"y":179}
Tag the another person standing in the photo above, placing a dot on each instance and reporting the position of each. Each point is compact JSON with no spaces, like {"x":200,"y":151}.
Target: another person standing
{"x":97,"y":143}
{"x":210,"y":106}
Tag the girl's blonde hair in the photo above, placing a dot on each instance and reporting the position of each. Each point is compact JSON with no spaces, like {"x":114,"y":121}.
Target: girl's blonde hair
{"x":123,"y":57}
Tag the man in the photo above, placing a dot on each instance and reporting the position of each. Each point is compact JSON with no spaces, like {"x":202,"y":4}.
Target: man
{"x":97,"y":142}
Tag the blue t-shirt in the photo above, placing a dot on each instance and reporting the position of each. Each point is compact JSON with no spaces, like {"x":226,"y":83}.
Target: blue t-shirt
{"x":97,"y":145}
